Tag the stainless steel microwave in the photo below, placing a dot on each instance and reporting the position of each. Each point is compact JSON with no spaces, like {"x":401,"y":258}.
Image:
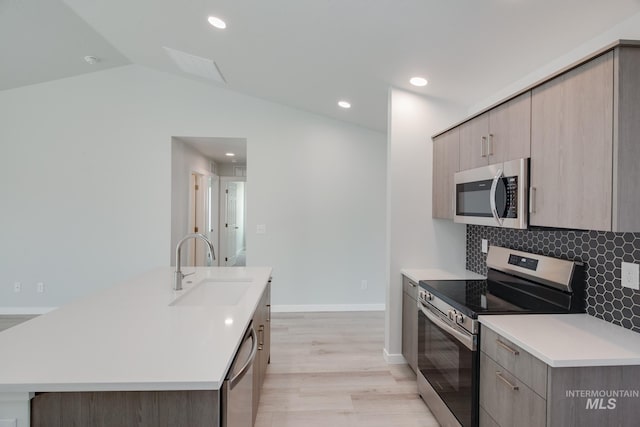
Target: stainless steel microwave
{"x":495,"y":195}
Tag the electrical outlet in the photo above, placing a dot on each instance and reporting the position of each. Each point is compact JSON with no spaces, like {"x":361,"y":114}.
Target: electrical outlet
{"x":485,"y":246}
{"x":9,"y":422}
{"x":17,"y":287}
{"x":364,"y":285}
{"x":261,"y":229}
{"x":40,"y":287}
{"x":631,"y":275}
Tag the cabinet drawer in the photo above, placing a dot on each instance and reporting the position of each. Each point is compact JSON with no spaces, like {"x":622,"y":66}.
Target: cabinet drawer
{"x":486,"y":420}
{"x":508,"y":401}
{"x":410,"y":287}
{"x":527,"y":368}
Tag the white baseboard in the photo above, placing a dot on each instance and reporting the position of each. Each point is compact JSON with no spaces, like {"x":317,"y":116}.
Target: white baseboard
{"x":326,"y":307}
{"x":16,"y":311}
{"x":393,"y":359}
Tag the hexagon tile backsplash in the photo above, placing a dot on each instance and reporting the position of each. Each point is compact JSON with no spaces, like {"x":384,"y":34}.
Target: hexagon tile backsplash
{"x":601,"y":252}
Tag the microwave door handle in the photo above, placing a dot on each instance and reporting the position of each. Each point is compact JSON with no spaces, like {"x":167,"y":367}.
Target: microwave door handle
{"x":492,"y":197}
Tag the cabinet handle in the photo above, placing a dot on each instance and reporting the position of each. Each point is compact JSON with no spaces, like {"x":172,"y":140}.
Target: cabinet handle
{"x":413,"y":285}
{"x":532,"y":200}
{"x":506,"y":347}
{"x":490,"y":144}
{"x":261,"y":337}
{"x":506,"y":381}
{"x":268,"y":312}
{"x":483,"y":142}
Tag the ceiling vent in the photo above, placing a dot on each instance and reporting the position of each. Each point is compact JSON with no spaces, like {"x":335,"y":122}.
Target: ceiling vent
{"x":196,"y":65}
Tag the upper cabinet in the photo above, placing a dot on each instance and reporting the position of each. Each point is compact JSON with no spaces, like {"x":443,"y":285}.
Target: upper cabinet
{"x":585,"y":146}
{"x":572,"y":148}
{"x":498,"y":135}
{"x":445,"y":165}
{"x":581,"y":129}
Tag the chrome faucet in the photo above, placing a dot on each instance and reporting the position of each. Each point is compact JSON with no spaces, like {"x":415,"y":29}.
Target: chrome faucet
{"x":178,"y":275}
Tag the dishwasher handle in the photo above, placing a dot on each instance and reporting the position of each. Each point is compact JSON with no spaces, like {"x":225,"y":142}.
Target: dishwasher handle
{"x":254,"y":349}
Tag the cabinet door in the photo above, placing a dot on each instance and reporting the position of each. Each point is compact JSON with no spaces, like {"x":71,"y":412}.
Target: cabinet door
{"x":445,"y":165}
{"x":572,"y":148}
{"x":266,"y":338}
{"x":410,"y":330}
{"x":259,"y":321}
{"x":508,"y":401}
{"x":510,"y":130}
{"x":473,"y":148}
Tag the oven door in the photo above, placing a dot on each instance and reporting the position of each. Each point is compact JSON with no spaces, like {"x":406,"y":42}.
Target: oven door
{"x":494,"y":195}
{"x":448,"y":360}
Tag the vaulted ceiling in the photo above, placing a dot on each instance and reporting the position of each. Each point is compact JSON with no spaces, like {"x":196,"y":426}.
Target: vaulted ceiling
{"x":308,"y":54}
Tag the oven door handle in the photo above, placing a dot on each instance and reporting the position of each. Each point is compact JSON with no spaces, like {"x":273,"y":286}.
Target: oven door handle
{"x":492,"y":197}
{"x":466,"y":339}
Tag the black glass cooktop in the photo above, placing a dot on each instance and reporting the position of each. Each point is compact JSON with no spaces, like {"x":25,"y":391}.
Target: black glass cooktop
{"x":499,"y":294}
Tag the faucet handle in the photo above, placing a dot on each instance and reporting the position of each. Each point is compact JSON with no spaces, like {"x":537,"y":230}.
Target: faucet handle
{"x":188,"y":274}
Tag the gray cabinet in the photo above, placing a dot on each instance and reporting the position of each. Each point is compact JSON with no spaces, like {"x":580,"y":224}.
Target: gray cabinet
{"x":585,"y":146}
{"x":410,"y":322}
{"x":572,"y":148}
{"x":473,"y":142}
{"x":517,"y":389}
{"x":445,"y":165}
{"x":262,"y":326}
{"x":501,"y":134}
{"x":513,"y":384}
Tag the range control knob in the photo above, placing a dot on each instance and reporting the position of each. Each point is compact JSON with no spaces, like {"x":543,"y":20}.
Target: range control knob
{"x":429,"y":297}
{"x":451,"y":314}
{"x":459,"y":318}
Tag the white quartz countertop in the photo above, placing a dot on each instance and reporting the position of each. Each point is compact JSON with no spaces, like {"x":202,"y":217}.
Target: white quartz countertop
{"x":129,"y":337}
{"x":417,"y":274}
{"x":568,"y":340}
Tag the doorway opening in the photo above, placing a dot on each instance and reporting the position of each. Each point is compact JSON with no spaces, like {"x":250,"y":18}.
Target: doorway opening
{"x":208,"y":196}
{"x":233,"y":221}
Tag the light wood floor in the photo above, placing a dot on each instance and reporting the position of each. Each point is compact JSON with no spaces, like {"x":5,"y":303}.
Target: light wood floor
{"x":327,"y":370}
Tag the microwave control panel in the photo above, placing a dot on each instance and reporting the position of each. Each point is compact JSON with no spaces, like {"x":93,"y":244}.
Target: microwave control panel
{"x":511,"y":205}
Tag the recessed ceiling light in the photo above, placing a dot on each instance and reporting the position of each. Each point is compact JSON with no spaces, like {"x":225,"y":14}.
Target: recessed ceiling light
{"x":418,"y":81}
{"x":229,"y":154}
{"x":217,"y":22}
{"x":344,"y":104}
{"x":91,"y":59}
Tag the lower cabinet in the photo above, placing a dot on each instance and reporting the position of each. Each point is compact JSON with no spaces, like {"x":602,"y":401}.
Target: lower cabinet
{"x":517,"y":389}
{"x":262,"y":326}
{"x":410,"y":322}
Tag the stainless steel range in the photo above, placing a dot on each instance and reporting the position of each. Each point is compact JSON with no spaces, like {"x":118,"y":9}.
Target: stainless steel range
{"x":449,"y":333}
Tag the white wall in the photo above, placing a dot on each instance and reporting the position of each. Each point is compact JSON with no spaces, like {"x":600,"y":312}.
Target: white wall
{"x":415,"y":239}
{"x":85,"y":187}
{"x":628,"y":29}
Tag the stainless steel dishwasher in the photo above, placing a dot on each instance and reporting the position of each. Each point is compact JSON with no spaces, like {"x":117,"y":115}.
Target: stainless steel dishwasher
{"x":237,"y":389}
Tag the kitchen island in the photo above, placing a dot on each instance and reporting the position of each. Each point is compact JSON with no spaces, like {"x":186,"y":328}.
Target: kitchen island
{"x":138,"y":336}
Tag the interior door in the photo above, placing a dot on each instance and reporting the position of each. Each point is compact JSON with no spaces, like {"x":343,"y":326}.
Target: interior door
{"x":231,"y":223}
{"x":200,"y":219}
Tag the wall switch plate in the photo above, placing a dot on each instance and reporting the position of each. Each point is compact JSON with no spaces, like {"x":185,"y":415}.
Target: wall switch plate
{"x":261,"y":229}
{"x":364,"y":285}
{"x":17,"y":287}
{"x":40,"y":287}
{"x":485,"y":246}
{"x":631,"y":275}
{"x":8,"y":422}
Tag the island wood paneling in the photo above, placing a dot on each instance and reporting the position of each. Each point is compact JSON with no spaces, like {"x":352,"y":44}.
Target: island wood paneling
{"x":127,"y":408}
